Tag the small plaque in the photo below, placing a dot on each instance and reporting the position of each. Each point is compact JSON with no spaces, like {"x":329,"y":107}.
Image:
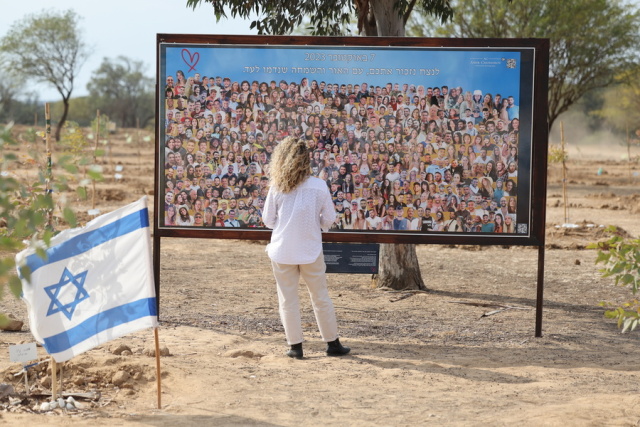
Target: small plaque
{"x":351,"y":258}
{"x":23,"y":352}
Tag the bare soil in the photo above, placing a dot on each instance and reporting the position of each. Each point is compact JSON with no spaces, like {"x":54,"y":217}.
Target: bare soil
{"x":463,"y":353}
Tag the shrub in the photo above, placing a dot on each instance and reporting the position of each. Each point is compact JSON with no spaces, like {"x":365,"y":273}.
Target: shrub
{"x":32,"y":205}
{"x":621,"y":259}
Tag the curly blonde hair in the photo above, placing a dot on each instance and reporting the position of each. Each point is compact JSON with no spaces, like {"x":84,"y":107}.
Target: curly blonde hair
{"x":290,"y":164}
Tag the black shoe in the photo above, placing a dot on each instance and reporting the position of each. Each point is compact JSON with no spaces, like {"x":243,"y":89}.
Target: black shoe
{"x":295,"y":351}
{"x":334,"y":348}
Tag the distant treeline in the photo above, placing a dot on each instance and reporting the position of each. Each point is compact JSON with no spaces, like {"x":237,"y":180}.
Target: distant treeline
{"x":81,"y":111}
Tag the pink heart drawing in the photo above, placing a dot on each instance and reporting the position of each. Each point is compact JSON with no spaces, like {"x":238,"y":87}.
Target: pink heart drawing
{"x":190,"y":59}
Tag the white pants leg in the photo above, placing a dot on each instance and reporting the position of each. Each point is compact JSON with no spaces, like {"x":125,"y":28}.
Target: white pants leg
{"x":287,"y":279}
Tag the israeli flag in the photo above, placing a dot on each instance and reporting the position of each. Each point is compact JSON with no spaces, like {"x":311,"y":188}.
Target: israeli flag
{"x":95,"y":285}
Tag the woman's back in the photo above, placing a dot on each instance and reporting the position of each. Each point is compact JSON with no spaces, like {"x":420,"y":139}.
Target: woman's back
{"x":297,"y":218}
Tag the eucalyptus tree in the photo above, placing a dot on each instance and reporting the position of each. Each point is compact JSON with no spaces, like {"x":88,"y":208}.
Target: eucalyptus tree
{"x":399,"y":268}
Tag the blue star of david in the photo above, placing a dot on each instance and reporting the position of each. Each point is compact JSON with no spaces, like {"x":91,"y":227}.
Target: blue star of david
{"x":53,"y":291}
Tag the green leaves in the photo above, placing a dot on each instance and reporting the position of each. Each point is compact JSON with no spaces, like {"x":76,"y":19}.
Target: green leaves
{"x":557,"y":154}
{"x":69,"y":216}
{"x":29,"y":211}
{"x":95,"y":172}
{"x":82,"y":193}
{"x":15,"y":285}
{"x":326,"y":17}
{"x":23,"y":212}
{"x":621,"y":260}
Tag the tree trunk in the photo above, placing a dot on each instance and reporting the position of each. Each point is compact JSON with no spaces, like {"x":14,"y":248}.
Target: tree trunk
{"x":65,"y":112}
{"x":399,"y":267}
{"x":366,"y":19}
{"x":389,"y":21}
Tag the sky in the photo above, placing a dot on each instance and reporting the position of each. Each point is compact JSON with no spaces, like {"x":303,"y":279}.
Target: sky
{"x":122,"y":27}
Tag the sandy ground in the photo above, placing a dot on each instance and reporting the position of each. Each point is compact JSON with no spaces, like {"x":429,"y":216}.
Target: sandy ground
{"x":462,"y":354}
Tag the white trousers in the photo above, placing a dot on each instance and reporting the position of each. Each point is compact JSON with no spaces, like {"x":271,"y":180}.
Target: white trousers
{"x":287,"y":281}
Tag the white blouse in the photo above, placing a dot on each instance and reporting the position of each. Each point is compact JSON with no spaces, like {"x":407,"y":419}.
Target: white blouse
{"x":297,"y":219}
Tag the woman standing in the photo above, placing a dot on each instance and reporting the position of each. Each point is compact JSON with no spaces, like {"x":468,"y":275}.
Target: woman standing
{"x":297,"y":208}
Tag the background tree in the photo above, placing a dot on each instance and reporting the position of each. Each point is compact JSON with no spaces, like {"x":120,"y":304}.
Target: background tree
{"x":591,"y":40}
{"x":13,"y":95}
{"x":47,"y":48}
{"x":621,"y":110}
{"x":81,"y":110}
{"x":21,"y":111}
{"x":399,"y":268}
{"x":9,"y":89}
{"x":120,"y":89}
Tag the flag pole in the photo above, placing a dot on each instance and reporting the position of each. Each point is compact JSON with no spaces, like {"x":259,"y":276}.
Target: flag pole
{"x":95,"y":160}
{"x":49,"y":173}
{"x":26,"y":379}
{"x":158,"y":381}
{"x":61,"y":386}
{"x":48,"y":179}
{"x":54,"y":379}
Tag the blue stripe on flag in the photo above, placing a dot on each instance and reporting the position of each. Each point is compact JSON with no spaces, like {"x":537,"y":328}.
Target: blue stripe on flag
{"x":89,"y":240}
{"x":100,"y":322}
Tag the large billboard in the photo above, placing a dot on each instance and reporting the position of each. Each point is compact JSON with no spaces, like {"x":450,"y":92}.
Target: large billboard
{"x":418,"y":140}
